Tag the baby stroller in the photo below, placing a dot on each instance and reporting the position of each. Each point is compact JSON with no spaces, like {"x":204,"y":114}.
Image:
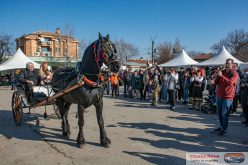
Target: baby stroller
{"x":209,"y":104}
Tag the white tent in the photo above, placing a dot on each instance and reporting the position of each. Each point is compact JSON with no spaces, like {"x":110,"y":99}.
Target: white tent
{"x":18,"y":61}
{"x":220,"y":59}
{"x":181,"y":60}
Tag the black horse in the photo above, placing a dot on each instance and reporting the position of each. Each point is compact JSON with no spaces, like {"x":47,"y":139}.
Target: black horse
{"x":99,"y":52}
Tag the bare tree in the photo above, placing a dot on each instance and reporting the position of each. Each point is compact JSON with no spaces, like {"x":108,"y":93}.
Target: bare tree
{"x":69,"y":30}
{"x":69,"y":33}
{"x":193,"y":53}
{"x":177,"y":47}
{"x":6,"y":45}
{"x":125,"y":50}
{"x":236,"y":43}
{"x":167,"y":51}
{"x":82,"y":47}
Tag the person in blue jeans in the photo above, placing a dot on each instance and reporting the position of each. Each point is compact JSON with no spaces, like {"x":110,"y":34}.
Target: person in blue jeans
{"x":223,"y":107}
{"x":226,"y":85}
{"x":186,"y":84}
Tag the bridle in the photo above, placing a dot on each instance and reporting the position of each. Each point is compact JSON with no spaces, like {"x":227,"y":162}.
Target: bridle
{"x":103,"y":53}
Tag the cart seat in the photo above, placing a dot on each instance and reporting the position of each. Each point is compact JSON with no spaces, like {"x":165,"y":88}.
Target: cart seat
{"x":42,"y":92}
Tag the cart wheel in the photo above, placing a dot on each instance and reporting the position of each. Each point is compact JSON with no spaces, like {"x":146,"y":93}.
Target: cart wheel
{"x":56,"y":110}
{"x":17,"y":108}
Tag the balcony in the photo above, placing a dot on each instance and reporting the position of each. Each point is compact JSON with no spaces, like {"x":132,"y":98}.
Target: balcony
{"x":45,"y":43}
{"x":52,"y":59}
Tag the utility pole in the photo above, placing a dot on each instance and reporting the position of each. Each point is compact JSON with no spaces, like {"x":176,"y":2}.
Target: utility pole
{"x":153,"y":50}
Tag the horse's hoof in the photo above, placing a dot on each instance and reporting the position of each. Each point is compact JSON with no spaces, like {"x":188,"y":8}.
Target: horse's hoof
{"x":106,"y":146}
{"x":66,"y":135}
{"x":81,"y":145}
{"x":106,"y":142}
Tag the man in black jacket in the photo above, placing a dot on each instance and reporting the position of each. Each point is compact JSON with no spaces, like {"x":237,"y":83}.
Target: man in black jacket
{"x":29,"y":78}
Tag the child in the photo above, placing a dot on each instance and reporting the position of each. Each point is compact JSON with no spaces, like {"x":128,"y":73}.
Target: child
{"x":114,"y":80}
{"x":155,"y":90}
{"x":149,"y":90}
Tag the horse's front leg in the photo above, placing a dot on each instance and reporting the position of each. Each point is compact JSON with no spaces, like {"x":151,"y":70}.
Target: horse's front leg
{"x":67,"y":125}
{"x":105,"y":141}
{"x":63,"y":110}
{"x":80,"y":139}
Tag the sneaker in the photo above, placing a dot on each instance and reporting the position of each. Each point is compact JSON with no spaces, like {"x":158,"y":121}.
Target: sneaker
{"x":244,"y":122}
{"x":217,"y":130}
{"x":242,"y":115}
{"x":153,"y":104}
{"x":222,"y":133}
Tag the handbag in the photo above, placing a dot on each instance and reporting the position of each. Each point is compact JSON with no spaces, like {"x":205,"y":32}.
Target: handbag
{"x":177,"y":86}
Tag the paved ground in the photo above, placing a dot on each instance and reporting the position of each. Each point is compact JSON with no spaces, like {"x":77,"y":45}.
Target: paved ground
{"x":139,"y":134}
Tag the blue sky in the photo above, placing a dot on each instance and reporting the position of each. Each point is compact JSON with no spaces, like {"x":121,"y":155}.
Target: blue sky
{"x":197,"y":23}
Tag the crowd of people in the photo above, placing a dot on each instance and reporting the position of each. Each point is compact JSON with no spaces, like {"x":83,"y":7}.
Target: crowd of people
{"x":223,"y":87}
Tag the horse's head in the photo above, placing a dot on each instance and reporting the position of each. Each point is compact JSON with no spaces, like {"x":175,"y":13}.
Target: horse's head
{"x":108,"y":53}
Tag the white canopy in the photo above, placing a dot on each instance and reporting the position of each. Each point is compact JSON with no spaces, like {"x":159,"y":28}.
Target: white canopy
{"x":181,"y":60}
{"x":220,"y":58}
{"x":18,"y":61}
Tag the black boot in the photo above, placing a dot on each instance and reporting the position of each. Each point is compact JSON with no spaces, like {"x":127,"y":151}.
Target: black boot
{"x":217,"y":130}
{"x":244,"y":122}
{"x":222,"y":133}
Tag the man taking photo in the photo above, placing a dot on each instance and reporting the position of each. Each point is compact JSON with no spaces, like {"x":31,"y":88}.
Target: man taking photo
{"x":226,"y":84}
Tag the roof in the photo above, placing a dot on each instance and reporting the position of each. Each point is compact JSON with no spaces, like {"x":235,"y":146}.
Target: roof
{"x":54,"y":34}
{"x":139,"y":61}
{"x":136,"y":64}
{"x":203,"y":56}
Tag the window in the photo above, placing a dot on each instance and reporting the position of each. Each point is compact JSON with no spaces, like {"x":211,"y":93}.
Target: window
{"x":44,"y":49}
{"x":42,"y":39}
{"x":57,"y":40}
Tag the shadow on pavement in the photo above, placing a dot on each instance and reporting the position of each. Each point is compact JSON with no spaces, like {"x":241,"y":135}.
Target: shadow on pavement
{"x":29,"y":131}
{"x":186,"y":139}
